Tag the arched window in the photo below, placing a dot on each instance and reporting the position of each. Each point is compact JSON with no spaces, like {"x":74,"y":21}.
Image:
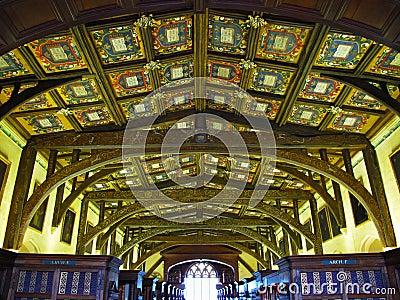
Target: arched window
{"x":201,"y":270}
{"x":201,"y":282}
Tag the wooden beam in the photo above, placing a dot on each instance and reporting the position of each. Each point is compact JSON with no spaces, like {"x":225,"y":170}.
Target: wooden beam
{"x":378,"y":191}
{"x":336,"y":191}
{"x":20,"y":196}
{"x":82,"y":224}
{"x":305,"y":64}
{"x":17,"y":99}
{"x":82,"y":187}
{"x":192,"y":195}
{"x":200,"y":239}
{"x":218,"y":223}
{"x":381,"y":95}
{"x":329,"y":201}
{"x":200,"y":43}
{"x":284,"y":138}
{"x":316,"y":223}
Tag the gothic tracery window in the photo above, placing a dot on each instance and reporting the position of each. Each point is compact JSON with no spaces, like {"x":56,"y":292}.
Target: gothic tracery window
{"x":201,"y":270}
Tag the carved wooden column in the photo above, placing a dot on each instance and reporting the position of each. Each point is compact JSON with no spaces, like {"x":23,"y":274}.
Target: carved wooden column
{"x":101,"y":219}
{"x":272,"y":238}
{"x":82,"y":225}
{"x":297,"y":238}
{"x":268,"y":259}
{"x":285,"y":241}
{"x":131,"y":253}
{"x":285,"y":235}
{"x":316,"y":224}
{"x":112,"y":242}
{"x":378,"y":191}
{"x":336,"y":190}
{"x":60,"y":191}
{"x":20,"y":195}
{"x":127,"y":260}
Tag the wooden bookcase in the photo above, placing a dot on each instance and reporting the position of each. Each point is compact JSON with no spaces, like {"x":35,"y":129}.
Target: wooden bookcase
{"x":367,"y":272}
{"x":43,"y":276}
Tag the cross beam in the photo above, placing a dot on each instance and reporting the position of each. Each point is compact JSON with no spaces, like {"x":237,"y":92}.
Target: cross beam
{"x":190,"y":195}
{"x":115,"y":139}
{"x":216,"y":223}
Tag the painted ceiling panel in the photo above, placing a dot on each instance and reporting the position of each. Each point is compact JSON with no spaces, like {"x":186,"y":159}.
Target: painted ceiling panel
{"x":101,"y":186}
{"x":12,"y":65}
{"x":57,"y":54}
{"x":126,"y":184}
{"x":93,"y":116}
{"x":358,"y":98}
{"x":44,"y":123}
{"x":272,"y":171}
{"x":243,"y":165}
{"x":352,"y":122}
{"x":130,"y":82}
{"x":221,"y":100}
{"x":176,"y":70}
{"x":172,"y":35}
{"x":269,"y":80}
{"x":215,"y":160}
{"x":281,"y":43}
{"x":262,"y":107}
{"x":137,"y":109}
{"x":7,"y":90}
{"x":241,"y":176}
{"x":227,"y":35}
{"x":295,"y":184}
{"x":79,"y":92}
{"x":394,"y":91}
{"x":342,"y":51}
{"x":225,"y":71}
{"x":118,"y":44}
{"x":320,"y":89}
{"x":126,"y":172}
{"x":387,"y":62}
{"x":215,"y":126}
{"x":307,"y":115}
{"x":42,"y":101}
{"x":274,"y":183}
{"x":180,"y":101}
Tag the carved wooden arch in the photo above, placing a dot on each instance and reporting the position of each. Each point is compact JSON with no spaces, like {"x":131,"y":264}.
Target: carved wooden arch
{"x":116,"y":217}
{"x":165,"y":246}
{"x":82,"y":187}
{"x":295,"y":158}
{"x":126,"y":212}
{"x":261,"y":239}
{"x":381,"y":94}
{"x":58,"y":178}
{"x":328,"y":199}
{"x":343,"y":178}
{"x":153,"y":232}
{"x":103,"y":239}
{"x":290,"y":232}
{"x":297,"y":226}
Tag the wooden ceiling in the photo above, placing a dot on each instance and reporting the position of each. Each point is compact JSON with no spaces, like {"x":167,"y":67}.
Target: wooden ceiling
{"x":315,"y":67}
